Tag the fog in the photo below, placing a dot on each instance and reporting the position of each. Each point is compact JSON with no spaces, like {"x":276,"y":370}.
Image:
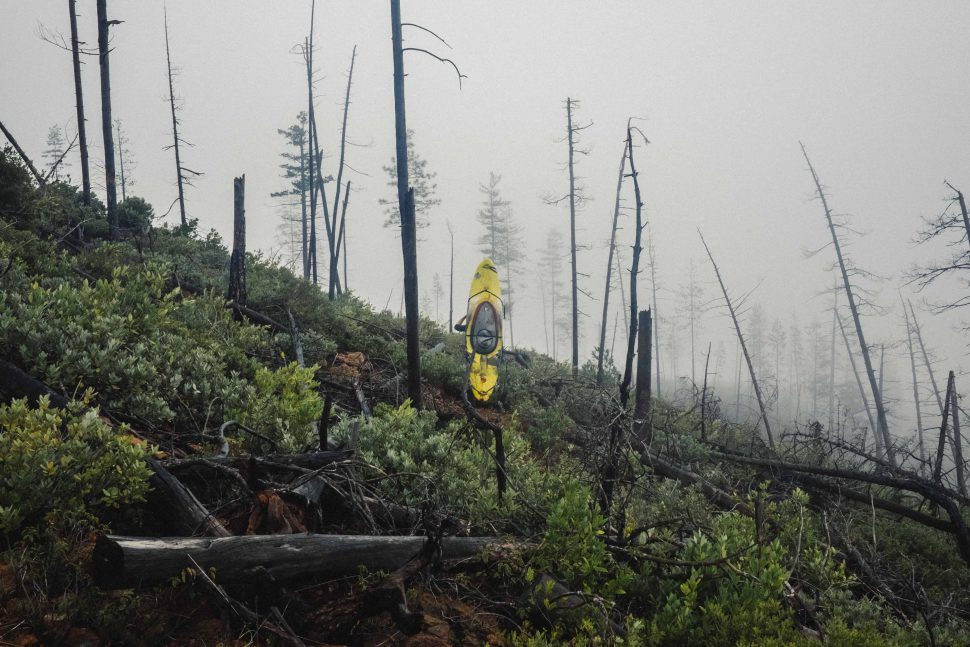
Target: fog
{"x":725,"y":91}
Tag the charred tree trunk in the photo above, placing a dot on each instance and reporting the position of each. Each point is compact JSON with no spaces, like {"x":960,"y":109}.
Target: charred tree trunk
{"x":833,"y":417}
{"x":237,"y":262}
{"x":880,"y":450}
{"x":653,"y":290}
{"x":178,"y":506}
{"x":963,"y":210}
{"x":310,"y":267}
{"x":175,"y":131}
{"x":634,"y":270}
{"x":704,"y":395}
{"x":451,"y":285}
{"x":121,"y":161}
{"x":334,"y":282}
{"x":883,"y":425}
{"x":109,"y":148}
{"x":131,"y":562}
{"x":641,"y":411}
{"x":341,"y":241}
{"x":405,"y":196}
{"x":926,"y":358}
{"x":938,"y":469}
{"x":30,"y":165}
{"x":79,"y":104}
{"x":572,"y":238}
{"x":916,"y":401}
{"x":957,"y":438}
{"x":744,"y":346}
{"x":609,"y":270}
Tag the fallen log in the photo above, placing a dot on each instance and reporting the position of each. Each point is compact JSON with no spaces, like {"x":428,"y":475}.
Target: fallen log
{"x":15,"y":383}
{"x":131,"y":562}
{"x":178,"y":506}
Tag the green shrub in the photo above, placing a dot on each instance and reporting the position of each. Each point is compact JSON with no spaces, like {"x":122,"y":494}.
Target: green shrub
{"x":283,"y":405}
{"x":61,"y":467}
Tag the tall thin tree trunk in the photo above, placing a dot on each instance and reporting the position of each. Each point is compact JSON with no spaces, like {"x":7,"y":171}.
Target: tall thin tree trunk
{"x":744,"y":346}
{"x":572,"y":239}
{"x":957,"y":440}
{"x":23,"y":155}
{"x":305,"y":179}
{"x":963,"y":210}
{"x":704,"y":395}
{"x":175,"y":131}
{"x":862,"y":390}
{"x":634,"y":270}
{"x":237,"y":262}
{"x":109,"y":148}
{"x":835,"y":319}
{"x":341,"y":241}
{"x":121,"y":163}
{"x":926,"y":358}
{"x":737,"y":397}
{"x":334,"y":274}
{"x":451,"y":286}
{"x":405,"y":197}
{"x":609,"y":269}
{"x":641,"y":410}
{"x":916,"y":402}
{"x":310,"y":271}
{"x":883,"y":425}
{"x":82,"y":137}
{"x":656,"y":317}
{"x":938,"y":470}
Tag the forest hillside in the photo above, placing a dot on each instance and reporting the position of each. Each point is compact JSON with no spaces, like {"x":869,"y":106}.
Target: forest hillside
{"x":199,"y":447}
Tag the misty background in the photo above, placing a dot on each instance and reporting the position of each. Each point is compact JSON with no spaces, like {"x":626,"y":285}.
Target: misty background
{"x":877,"y":92}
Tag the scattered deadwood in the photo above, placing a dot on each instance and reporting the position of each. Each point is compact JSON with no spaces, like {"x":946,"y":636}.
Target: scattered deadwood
{"x":176,"y":503}
{"x":30,"y":165}
{"x":715,"y":495}
{"x":132,"y":562}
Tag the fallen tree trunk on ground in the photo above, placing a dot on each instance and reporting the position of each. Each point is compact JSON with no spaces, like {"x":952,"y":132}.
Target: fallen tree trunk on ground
{"x":15,"y":383}
{"x":182,"y":511}
{"x":132,"y":562}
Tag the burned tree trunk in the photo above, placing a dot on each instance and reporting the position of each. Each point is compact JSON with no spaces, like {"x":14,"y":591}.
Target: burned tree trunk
{"x":957,"y":438}
{"x":334,"y":286}
{"x":405,"y":197}
{"x":880,"y":451}
{"x":634,"y":270}
{"x":938,"y":469}
{"x":641,"y":411}
{"x":109,"y":148}
{"x":79,"y":104}
{"x":237,"y":262}
{"x":609,"y":270}
{"x":572,"y":238}
{"x":175,"y":131}
{"x":707,"y":363}
{"x":916,"y":402}
{"x":744,"y":347}
{"x":178,"y":507}
{"x":30,"y":165}
{"x":131,"y":562}
{"x":926,"y":357}
{"x":883,"y":425}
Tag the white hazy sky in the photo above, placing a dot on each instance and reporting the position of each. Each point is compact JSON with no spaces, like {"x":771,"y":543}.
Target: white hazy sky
{"x":877,"y":90}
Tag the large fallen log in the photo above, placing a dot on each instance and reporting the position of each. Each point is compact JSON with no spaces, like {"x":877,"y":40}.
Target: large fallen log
{"x":132,"y":562}
{"x":15,"y":383}
{"x":178,"y":506}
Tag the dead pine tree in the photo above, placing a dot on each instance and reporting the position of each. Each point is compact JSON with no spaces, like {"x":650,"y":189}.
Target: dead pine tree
{"x":882,"y":424}
{"x":79,"y":104}
{"x":634,"y":271}
{"x":571,"y":131}
{"x":609,"y":267}
{"x":744,"y":347}
{"x":941,"y":446}
{"x":334,"y":281}
{"x":180,"y":171}
{"x":451,"y":279}
{"x":106,"y":124}
{"x":652,"y":258}
{"x":237,"y":261}
{"x":916,"y":398}
{"x":880,"y":451}
{"x":956,"y":438}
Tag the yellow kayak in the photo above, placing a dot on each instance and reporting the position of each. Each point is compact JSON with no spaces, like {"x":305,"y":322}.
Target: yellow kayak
{"x":483,"y":332}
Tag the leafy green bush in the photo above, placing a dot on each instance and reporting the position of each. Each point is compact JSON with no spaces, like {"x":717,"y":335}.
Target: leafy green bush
{"x":283,"y":405}
{"x":61,"y":466}
{"x":145,"y":352}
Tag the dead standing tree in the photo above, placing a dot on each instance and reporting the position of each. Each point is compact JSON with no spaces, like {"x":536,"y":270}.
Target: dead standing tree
{"x":609,"y":266}
{"x":237,"y":262}
{"x":634,"y":271}
{"x":744,"y":347}
{"x":916,"y":398}
{"x":571,"y":130}
{"x":106,"y":124}
{"x":883,"y":425}
{"x":79,"y":104}
{"x":880,"y":450}
{"x":405,"y":197}
{"x":180,"y":171}
{"x":334,"y":282}
{"x":959,"y":261}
